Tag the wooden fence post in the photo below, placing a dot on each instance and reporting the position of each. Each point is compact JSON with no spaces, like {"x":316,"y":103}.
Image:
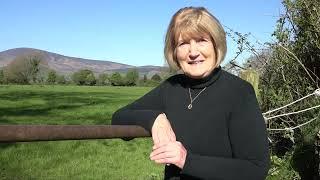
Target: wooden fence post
{"x":252,"y":77}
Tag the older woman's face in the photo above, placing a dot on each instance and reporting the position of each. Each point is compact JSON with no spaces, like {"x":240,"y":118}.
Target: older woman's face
{"x":196,"y":56}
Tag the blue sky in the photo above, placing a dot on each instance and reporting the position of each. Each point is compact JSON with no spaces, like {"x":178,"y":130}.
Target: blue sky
{"x":130,"y":32}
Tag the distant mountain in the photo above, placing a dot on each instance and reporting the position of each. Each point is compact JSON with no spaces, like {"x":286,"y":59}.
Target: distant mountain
{"x":67,"y":65}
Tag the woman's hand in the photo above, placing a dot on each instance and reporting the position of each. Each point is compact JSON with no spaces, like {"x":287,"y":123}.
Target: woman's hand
{"x":169,"y":153}
{"x":162,"y":131}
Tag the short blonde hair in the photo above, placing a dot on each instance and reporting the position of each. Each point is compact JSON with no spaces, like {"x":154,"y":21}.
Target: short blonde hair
{"x":194,"y":22}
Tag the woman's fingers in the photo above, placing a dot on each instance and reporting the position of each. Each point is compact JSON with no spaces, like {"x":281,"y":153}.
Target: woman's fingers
{"x":158,"y":145}
{"x":160,"y":148}
{"x":167,"y":161}
{"x":169,"y":153}
{"x":164,"y":150}
{"x":163,"y":155}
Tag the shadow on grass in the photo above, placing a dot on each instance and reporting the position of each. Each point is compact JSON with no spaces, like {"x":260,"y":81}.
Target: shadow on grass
{"x":4,"y":121}
{"x":54,"y":96}
{"x":51,"y":101}
{"x":7,"y":145}
{"x":34,"y":111}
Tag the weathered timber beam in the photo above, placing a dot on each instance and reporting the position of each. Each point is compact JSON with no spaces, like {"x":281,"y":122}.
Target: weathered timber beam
{"x":27,"y":133}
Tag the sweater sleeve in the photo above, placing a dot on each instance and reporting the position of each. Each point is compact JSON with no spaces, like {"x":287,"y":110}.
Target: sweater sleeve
{"x":248,"y":140}
{"x":143,"y":111}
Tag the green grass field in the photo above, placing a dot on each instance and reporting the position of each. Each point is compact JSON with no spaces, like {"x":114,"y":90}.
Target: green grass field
{"x":86,"y":159}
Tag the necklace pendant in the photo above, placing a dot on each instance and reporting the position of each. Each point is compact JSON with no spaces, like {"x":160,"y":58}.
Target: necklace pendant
{"x":192,"y":99}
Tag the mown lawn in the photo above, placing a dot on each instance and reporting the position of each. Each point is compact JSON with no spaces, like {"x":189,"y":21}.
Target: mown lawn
{"x":86,"y":159}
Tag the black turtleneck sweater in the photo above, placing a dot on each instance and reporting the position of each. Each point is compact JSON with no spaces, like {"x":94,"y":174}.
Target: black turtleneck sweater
{"x":224,"y":132}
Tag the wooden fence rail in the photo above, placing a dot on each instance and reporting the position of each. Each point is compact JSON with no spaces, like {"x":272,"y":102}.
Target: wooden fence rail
{"x":28,"y":133}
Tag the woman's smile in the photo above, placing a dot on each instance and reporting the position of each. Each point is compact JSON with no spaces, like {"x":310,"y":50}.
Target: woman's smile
{"x":195,"y":62}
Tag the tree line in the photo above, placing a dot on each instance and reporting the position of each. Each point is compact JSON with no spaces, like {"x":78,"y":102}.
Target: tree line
{"x":33,"y":69}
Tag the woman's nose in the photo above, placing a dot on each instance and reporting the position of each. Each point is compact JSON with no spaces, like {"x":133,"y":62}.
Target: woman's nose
{"x":193,"y":51}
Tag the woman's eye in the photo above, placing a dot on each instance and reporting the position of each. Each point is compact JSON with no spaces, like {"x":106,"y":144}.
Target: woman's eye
{"x":182,"y":43}
{"x":203,"y":40}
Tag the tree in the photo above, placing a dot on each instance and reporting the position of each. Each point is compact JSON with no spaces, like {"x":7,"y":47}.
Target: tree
{"x":145,"y":78}
{"x":291,"y":71}
{"x":1,"y":76}
{"x":103,"y":79}
{"x":61,"y":79}
{"x":132,"y":77}
{"x":304,"y":16}
{"x":116,"y":79}
{"x":156,"y":77}
{"x":84,"y":77}
{"x":24,"y":69}
{"x":52,"y":77}
{"x":293,"y":65}
{"x":90,"y":80}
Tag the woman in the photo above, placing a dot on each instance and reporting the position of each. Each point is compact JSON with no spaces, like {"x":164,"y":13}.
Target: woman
{"x":205,"y":123}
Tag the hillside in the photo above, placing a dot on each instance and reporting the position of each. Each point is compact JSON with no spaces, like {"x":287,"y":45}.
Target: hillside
{"x":67,"y":65}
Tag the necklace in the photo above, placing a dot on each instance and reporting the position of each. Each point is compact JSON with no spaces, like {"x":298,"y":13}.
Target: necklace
{"x":191,"y":100}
